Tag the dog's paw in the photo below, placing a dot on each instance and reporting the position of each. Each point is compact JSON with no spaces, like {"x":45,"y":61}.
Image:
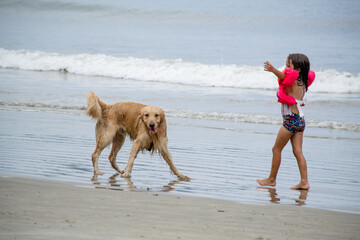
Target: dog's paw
{"x":98,"y":172}
{"x":126,"y":174}
{"x":183,"y":178}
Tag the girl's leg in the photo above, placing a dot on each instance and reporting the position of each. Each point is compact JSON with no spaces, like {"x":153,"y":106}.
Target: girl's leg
{"x":282,"y":139}
{"x":296,"y":142}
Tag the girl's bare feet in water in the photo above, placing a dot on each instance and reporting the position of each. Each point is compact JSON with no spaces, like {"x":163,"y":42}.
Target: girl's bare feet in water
{"x":301,"y":186}
{"x":266,"y":182}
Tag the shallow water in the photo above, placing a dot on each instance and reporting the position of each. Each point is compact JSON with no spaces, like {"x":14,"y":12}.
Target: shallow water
{"x":45,"y":133}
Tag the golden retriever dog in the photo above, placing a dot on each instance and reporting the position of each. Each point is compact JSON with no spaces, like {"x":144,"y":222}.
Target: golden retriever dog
{"x":144,"y":124}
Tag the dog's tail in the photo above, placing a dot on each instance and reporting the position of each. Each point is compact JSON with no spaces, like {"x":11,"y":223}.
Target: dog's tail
{"x":95,"y":105}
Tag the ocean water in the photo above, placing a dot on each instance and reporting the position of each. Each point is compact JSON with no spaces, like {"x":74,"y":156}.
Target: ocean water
{"x":202,"y":62}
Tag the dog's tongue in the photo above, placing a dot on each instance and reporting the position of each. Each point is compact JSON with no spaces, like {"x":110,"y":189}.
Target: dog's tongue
{"x":153,"y":131}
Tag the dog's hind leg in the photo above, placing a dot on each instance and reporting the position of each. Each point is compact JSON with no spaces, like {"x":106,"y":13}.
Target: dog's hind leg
{"x":104,"y":135}
{"x":95,"y":156}
{"x":117,"y":143}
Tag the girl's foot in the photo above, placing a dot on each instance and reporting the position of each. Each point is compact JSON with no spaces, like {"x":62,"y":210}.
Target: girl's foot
{"x":266,"y":182}
{"x":301,"y":186}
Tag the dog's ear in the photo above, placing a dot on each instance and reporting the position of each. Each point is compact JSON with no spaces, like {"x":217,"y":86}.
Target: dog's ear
{"x":139,"y":119}
{"x":162,"y":131}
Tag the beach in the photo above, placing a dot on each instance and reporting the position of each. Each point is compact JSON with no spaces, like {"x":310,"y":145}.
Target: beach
{"x":45,"y":209}
{"x":44,"y":132}
{"x":202,"y":63}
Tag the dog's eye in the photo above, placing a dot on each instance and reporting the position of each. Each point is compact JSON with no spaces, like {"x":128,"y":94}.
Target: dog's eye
{"x":146,"y":115}
{"x":156,"y":115}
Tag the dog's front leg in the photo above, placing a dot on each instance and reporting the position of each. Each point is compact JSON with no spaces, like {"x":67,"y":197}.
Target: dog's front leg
{"x":134,"y":152}
{"x":168,"y":158}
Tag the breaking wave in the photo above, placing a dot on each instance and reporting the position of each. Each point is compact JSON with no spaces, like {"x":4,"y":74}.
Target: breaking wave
{"x":169,"y":71}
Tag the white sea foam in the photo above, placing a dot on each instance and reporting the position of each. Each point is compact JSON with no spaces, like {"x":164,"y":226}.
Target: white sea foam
{"x":169,"y":71}
{"x":258,"y":119}
{"x":188,"y":114}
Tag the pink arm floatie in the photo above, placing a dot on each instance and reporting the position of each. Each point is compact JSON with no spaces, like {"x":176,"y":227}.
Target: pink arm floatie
{"x":290,"y":77}
{"x":311,"y":78}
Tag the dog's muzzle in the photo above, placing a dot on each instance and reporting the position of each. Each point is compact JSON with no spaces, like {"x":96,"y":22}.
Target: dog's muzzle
{"x":152,"y":128}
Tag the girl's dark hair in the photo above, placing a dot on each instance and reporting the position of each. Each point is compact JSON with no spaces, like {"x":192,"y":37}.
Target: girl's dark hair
{"x":301,"y":61}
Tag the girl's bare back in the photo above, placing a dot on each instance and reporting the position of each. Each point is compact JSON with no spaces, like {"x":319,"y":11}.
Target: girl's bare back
{"x":297,"y":90}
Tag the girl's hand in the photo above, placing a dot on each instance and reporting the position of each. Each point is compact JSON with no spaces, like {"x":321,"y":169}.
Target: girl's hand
{"x":268,"y":67}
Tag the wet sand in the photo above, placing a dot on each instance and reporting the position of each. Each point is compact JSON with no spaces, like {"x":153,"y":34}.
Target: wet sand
{"x":45,"y":209}
{"x":223,"y":163}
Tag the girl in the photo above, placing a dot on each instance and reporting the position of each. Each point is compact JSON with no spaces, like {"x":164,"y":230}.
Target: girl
{"x":293,"y":83}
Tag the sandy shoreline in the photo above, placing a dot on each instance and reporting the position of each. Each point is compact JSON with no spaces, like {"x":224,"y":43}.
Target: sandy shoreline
{"x":44,"y":209}
{"x":223,"y":164}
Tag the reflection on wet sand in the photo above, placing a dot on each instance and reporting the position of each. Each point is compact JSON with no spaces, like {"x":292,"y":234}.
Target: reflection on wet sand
{"x":272,"y":194}
{"x":274,"y":198}
{"x":125,"y":184}
{"x":302,"y":197}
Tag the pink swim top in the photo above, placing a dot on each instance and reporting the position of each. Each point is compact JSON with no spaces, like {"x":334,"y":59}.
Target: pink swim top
{"x":291,"y":76}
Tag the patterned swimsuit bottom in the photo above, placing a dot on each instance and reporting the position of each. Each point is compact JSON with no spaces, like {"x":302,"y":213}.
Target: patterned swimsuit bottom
{"x":294,"y":123}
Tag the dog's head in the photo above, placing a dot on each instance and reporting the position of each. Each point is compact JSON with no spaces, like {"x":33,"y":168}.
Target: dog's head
{"x":154,"y":119}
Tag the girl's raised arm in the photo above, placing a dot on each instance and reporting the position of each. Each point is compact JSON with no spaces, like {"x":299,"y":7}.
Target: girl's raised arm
{"x":268,"y":67}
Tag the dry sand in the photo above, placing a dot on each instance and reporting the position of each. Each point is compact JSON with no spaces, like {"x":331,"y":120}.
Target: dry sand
{"x":42,"y":209}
